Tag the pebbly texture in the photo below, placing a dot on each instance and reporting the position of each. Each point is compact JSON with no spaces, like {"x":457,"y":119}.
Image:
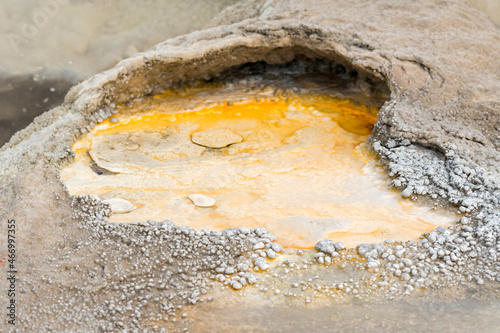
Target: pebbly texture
{"x":91,"y":275}
{"x":439,"y":137}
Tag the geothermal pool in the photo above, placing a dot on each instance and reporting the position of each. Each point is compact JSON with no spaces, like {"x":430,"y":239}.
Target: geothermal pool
{"x":293,"y":163}
{"x":284,"y":142}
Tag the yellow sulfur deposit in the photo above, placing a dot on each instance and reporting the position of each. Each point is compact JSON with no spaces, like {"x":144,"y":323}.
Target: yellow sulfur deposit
{"x":293,"y":164}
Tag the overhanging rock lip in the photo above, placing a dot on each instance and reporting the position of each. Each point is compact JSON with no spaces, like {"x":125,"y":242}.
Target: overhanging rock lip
{"x":204,"y":49}
{"x":399,"y":59}
{"x":192,"y":56}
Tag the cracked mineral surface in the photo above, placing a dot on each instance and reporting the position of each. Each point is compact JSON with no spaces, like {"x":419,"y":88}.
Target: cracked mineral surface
{"x":436,"y":136}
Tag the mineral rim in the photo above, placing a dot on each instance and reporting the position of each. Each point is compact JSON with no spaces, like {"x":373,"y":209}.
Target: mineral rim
{"x":438,"y":136}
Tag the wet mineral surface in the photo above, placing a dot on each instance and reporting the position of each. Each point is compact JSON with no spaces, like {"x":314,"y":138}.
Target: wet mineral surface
{"x":294,"y":164}
{"x":436,"y":137}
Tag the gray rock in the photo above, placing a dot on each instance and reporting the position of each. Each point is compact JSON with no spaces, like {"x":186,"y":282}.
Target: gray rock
{"x":339,"y":246}
{"x":325,"y":246}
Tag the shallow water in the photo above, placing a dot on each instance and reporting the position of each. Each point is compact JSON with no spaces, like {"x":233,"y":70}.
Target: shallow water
{"x":299,"y":168}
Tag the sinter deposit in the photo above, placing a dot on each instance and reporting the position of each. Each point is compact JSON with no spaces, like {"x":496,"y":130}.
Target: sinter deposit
{"x":120,"y":206}
{"x":201,"y":200}
{"x":437,"y":137}
{"x":216,"y":138}
{"x":295,"y":164}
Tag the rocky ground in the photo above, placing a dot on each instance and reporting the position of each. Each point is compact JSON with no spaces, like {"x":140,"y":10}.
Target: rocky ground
{"x":438,"y":136}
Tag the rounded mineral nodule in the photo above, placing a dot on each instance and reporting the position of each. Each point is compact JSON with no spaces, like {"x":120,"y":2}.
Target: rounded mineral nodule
{"x":201,"y":200}
{"x":120,"y":206}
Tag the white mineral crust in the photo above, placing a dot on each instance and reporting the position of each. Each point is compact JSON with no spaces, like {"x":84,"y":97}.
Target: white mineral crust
{"x":120,"y":206}
{"x":201,"y":200}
